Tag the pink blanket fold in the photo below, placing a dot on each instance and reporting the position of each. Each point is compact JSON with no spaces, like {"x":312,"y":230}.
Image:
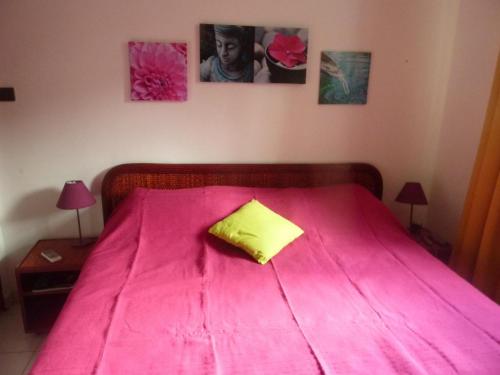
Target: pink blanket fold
{"x":353,"y":295}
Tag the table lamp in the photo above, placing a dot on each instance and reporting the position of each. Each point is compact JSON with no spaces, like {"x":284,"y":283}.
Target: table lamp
{"x":412,"y":193}
{"x":74,"y":196}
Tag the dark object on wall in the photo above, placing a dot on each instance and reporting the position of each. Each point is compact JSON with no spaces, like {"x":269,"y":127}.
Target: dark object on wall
{"x":7,"y":94}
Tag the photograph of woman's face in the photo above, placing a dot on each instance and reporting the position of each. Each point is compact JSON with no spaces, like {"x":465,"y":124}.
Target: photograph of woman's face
{"x":228,"y":49}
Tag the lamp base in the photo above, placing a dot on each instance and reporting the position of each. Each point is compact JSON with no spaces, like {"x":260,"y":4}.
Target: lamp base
{"x":414,"y":228}
{"x":83,"y":242}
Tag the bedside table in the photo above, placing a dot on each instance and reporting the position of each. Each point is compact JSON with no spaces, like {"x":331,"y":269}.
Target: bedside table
{"x":440,"y":249}
{"x":43,"y":286}
{"x":2,"y":301}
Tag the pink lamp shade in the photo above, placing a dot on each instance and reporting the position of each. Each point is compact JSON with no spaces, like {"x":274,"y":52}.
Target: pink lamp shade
{"x":75,"y":195}
{"x":412,"y":193}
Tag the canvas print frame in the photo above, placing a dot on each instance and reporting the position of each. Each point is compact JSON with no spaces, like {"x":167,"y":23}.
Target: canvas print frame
{"x":253,"y":54}
{"x":344,"y":77}
{"x":158,"y":71}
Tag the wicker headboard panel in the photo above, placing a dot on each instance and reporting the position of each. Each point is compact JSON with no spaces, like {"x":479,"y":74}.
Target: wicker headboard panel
{"x":122,"y":179}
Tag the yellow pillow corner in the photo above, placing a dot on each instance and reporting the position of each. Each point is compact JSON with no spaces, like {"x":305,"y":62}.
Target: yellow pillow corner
{"x":257,"y":230}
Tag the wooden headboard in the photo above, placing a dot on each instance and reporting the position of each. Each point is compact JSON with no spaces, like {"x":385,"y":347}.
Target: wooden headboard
{"x":122,"y":179}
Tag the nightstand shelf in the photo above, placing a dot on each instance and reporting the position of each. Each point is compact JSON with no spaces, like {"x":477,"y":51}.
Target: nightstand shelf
{"x":59,"y":290}
{"x":41,"y":311}
{"x":43,"y":286}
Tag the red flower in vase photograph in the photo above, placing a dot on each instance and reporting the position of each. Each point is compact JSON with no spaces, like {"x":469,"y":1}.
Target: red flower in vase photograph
{"x":289,"y":50}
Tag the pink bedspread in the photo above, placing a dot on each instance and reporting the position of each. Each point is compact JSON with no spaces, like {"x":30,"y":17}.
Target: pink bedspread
{"x":353,"y":295}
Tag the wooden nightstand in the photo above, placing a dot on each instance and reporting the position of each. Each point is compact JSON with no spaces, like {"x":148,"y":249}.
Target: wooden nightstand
{"x":2,"y":301}
{"x":43,"y":286}
{"x":440,"y":249}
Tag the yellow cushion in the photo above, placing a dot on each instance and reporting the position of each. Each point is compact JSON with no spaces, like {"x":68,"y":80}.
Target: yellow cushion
{"x":259,"y":231}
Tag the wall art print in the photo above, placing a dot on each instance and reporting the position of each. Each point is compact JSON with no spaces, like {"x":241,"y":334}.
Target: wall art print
{"x":232,"y":53}
{"x":344,"y":77}
{"x":158,"y":71}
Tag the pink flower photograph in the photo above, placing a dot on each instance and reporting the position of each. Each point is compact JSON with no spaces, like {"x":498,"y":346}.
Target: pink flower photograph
{"x":158,"y":71}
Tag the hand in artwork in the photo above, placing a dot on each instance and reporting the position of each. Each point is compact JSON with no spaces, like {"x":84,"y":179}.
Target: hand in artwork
{"x":330,"y":67}
{"x":263,"y":75}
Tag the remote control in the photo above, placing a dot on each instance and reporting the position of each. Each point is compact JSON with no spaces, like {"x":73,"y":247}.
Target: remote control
{"x":51,"y":255}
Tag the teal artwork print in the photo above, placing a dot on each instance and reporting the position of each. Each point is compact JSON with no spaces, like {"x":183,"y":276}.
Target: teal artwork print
{"x":344,"y":77}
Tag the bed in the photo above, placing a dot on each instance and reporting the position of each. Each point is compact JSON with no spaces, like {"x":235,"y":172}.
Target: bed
{"x":353,"y":295}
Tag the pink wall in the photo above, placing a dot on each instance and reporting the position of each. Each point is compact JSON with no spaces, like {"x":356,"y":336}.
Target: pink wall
{"x":475,"y":50}
{"x":68,"y":63}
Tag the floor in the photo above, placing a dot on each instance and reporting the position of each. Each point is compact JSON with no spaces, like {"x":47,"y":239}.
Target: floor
{"x":18,"y":350}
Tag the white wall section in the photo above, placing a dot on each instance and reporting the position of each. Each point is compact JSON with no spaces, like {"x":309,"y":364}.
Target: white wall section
{"x":73,"y":119}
